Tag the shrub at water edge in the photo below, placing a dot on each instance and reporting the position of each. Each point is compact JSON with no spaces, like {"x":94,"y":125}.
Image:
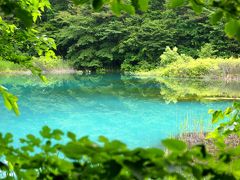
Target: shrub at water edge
{"x":178,"y":65}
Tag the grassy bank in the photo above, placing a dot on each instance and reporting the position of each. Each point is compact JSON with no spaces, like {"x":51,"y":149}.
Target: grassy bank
{"x":55,"y":66}
{"x":178,"y":65}
{"x":6,"y":66}
{"x":198,"y":138}
{"x":202,"y":68}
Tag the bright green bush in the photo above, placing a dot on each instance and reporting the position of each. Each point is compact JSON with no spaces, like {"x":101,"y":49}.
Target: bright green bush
{"x":206,"y":51}
{"x":175,"y":65}
{"x":171,"y":55}
{"x":193,"y":68}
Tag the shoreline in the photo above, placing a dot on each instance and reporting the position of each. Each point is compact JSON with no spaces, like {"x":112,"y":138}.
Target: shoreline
{"x":198,"y":138}
{"x":135,"y":74}
{"x":53,"y":71}
{"x":229,"y":78}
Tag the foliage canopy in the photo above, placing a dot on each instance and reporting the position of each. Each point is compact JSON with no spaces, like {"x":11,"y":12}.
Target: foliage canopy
{"x":95,"y":41}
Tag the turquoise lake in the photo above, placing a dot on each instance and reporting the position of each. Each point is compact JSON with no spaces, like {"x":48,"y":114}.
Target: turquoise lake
{"x":139,"y":112}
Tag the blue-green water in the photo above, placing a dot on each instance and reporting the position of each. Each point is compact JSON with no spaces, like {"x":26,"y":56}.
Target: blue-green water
{"x":119,"y":107}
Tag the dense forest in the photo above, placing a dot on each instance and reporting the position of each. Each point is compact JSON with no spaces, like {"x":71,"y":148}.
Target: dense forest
{"x":100,"y":40}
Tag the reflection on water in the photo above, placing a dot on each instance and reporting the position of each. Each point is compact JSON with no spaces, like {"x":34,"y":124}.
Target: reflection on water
{"x":127,"y":108}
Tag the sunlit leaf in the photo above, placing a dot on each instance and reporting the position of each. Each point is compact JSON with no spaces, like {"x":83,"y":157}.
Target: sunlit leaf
{"x":57,"y":134}
{"x":72,"y":136}
{"x":46,"y":132}
{"x":143,"y":5}
{"x":216,"y":17}
{"x":228,"y":111}
{"x":128,"y":8}
{"x":175,"y":145}
{"x":115,"y":6}
{"x":232,"y":28}
{"x":216,"y":116}
{"x":197,"y":7}
{"x":236,"y":105}
{"x":175,"y":3}
{"x":43,"y":78}
{"x":103,"y":139}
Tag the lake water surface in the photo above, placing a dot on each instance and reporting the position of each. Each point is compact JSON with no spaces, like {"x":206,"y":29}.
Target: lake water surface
{"x":139,"y":112}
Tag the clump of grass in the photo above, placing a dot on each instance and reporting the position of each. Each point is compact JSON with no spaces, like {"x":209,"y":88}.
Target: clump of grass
{"x":195,"y":127}
{"x":7,"y":66}
{"x":46,"y":64}
{"x":195,"y":132}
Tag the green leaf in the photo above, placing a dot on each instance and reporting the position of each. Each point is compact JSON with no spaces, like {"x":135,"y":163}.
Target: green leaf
{"x":175,"y":3}
{"x":72,"y":136}
{"x":211,"y":111}
{"x":196,"y":172}
{"x":236,"y":105}
{"x":103,"y":139}
{"x":128,"y":8}
{"x":73,"y":150}
{"x":175,"y":145}
{"x":78,"y":2}
{"x":143,"y":5}
{"x":152,"y":153}
{"x":43,"y":78}
{"x":216,"y":116}
{"x":115,"y":145}
{"x":35,"y":141}
{"x":15,"y":108}
{"x":216,"y":17}
{"x":115,"y":6}
{"x":57,"y":134}
{"x":232,"y":28}
{"x":10,"y":101}
{"x":29,"y":174}
{"x":46,"y":132}
{"x":7,"y":139}
{"x":25,"y":16}
{"x":196,"y":7}
{"x":97,"y":4}
{"x":35,"y":16}
{"x":228,"y":111}
{"x":7,"y":103}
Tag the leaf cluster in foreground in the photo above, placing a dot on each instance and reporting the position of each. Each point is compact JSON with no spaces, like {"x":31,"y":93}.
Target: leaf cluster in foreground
{"x":46,"y":157}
